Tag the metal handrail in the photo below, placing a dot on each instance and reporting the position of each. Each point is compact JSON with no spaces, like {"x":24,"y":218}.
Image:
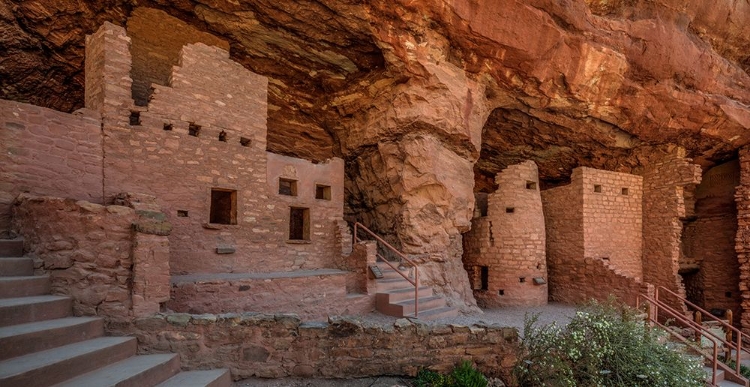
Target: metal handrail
{"x":737,"y":333}
{"x":415,"y":282}
{"x":653,"y":318}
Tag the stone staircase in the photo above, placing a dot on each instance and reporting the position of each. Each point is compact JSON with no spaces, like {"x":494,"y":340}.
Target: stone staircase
{"x":41,"y":344}
{"x":395,"y":297}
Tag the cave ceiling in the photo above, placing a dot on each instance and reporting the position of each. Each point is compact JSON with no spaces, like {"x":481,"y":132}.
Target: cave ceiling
{"x":654,"y":74}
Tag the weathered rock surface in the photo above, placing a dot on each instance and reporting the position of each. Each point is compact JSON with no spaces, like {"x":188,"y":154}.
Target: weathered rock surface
{"x":426,"y":98}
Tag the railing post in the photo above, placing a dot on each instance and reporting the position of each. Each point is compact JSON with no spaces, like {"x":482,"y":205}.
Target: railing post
{"x":698,"y":320}
{"x":729,"y":321}
{"x":416,"y":292}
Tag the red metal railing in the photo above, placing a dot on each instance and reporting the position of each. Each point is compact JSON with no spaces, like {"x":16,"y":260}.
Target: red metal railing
{"x":734,"y":332}
{"x":359,"y":226}
{"x":658,"y":306}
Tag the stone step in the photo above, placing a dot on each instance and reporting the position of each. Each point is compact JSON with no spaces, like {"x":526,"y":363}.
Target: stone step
{"x":210,"y":378}
{"x":135,"y":371}
{"x":12,"y":287}
{"x":16,"y":266}
{"x":744,"y":355}
{"x":19,"y":340}
{"x":406,"y":308}
{"x":394,"y":296}
{"x":433,"y":314}
{"x":29,"y":309}
{"x":11,"y":247}
{"x":56,"y":365}
{"x":384,"y":285}
{"x":389,"y":273}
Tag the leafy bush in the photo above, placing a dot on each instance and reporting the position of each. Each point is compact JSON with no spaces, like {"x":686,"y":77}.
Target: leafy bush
{"x":464,"y":375}
{"x":603,"y":345}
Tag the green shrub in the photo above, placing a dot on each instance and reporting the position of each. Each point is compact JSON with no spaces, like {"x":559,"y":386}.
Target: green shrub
{"x":602,"y":345}
{"x":464,"y":375}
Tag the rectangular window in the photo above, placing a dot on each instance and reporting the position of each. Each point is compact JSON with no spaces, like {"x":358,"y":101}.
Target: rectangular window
{"x":322,"y":192}
{"x":223,"y":206}
{"x":625,"y":191}
{"x":597,"y":188}
{"x":299,"y":224}
{"x":531,"y":185}
{"x":194,"y":130}
{"x":485,"y":277}
{"x":287,"y":187}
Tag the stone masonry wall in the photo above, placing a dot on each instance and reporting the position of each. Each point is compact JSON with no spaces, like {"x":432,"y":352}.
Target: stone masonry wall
{"x":578,"y":217}
{"x":112,"y":260}
{"x":709,"y":240}
{"x":268,"y":346}
{"x":48,"y":153}
{"x":85,"y":248}
{"x":612,"y":218}
{"x":510,"y":242}
{"x":207,"y":130}
{"x":742,"y":198}
{"x":665,"y":185}
{"x":156,"y":48}
{"x":563,"y":219}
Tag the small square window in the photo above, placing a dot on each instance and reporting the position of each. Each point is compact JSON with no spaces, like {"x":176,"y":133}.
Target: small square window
{"x":223,"y":206}
{"x":223,"y":136}
{"x":194,"y":130}
{"x":182,"y":213}
{"x":244,"y":141}
{"x":625,"y":191}
{"x":531,"y":185}
{"x":597,"y":188}
{"x":510,"y":210}
{"x":521,"y":279}
{"x":135,"y":118}
{"x":299,"y":224}
{"x":168,"y":127}
{"x":287,"y":187}
{"x":322,"y":192}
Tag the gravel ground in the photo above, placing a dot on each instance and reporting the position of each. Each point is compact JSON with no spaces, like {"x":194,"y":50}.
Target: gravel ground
{"x":507,"y":317}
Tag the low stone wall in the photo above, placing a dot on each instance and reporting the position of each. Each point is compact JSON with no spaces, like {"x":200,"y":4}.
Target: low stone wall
{"x":84,"y":247}
{"x":112,"y":260}
{"x":269,"y":346}
{"x":312,"y":294}
{"x":595,"y":279}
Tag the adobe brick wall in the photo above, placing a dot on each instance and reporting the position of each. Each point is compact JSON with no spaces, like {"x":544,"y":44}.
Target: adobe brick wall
{"x":156,"y":48}
{"x":667,"y":197}
{"x":46,"y":152}
{"x":219,"y":95}
{"x":742,"y":198}
{"x":510,"y":244}
{"x":584,"y":227}
{"x":612,"y":218}
{"x":709,"y":241}
{"x":269,"y":346}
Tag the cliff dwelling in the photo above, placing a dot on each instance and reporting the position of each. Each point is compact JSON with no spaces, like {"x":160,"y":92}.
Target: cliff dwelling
{"x":198,"y":166}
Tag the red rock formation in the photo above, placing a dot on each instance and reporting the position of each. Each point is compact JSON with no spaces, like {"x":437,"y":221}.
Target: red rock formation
{"x":414,"y":94}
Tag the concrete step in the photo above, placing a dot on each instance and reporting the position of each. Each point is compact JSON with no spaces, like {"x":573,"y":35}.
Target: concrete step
{"x":12,"y":287}
{"x":709,"y":372}
{"x":433,"y":314}
{"x":384,"y":285}
{"x":16,"y":266}
{"x":210,"y":378}
{"x":23,"y":310}
{"x":11,"y":247}
{"x":406,"y":308}
{"x":394,"y":296}
{"x":56,"y":365}
{"x":135,"y":371}
{"x":19,"y":340}
{"x":744,"y":355}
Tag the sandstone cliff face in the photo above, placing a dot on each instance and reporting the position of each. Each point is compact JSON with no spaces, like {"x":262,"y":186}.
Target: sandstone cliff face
{"x":425,"y":99}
